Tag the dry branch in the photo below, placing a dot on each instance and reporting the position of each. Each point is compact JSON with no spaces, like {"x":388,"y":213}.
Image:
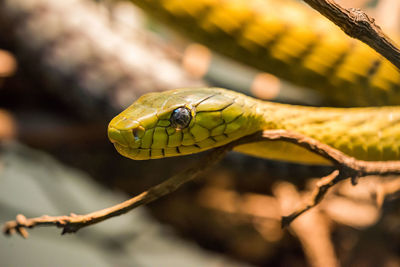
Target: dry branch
{"x":263,"y":213}
{"x":357,"y":24}
{"x":347,"y":167}
{"x":73,"y":223}
{"x":312,"y":229}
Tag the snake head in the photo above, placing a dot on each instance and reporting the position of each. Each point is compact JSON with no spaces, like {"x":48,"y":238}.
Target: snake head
{"x":178,"y":122}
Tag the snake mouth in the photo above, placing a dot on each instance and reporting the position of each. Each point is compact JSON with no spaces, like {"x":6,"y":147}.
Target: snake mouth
{"x":141,"y":153}
{"x":128,"y":144}
{"x":127,"y":151}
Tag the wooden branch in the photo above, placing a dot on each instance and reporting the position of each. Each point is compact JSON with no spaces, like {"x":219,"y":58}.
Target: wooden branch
{"x":321,"y":189}
{"x":263,"y":213}
{"x":357,"y":24}
{"x":313,"y":229}
{"x":73,"y":223}
{"x":347,"y":167}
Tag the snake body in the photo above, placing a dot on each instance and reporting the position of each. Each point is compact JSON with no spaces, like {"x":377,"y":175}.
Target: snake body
{"x":146,"y":129}
{"x":287,"y":39}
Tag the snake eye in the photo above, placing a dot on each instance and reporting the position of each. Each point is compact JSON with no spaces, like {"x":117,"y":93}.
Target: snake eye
{"x":180,"y":118}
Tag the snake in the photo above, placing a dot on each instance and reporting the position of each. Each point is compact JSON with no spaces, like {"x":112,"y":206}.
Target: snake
{"x":290,"y":41}
{"x":287,"y":39}
{"x":191,"y":120}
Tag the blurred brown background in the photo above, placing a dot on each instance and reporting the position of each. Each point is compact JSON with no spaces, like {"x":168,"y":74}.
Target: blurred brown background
{"x":67,"y":67}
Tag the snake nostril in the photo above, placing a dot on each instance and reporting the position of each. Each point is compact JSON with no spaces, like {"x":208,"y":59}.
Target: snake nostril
{"x":115,"y":136}
{"x":138,"y":132}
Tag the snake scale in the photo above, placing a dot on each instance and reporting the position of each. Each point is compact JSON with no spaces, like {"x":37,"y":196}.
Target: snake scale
{"x":288,"y":39}
{"x":275,"y":38}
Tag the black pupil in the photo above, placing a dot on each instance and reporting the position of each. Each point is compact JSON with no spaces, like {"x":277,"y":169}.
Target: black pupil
{"x":181,"y":118}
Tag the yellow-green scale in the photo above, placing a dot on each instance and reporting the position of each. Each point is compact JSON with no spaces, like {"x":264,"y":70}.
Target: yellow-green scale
{"x":289,"y":40}
{"x":364,"y":133}
{"x":218,"y":116}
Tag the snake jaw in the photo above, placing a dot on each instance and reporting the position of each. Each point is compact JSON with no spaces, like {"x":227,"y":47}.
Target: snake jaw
{"x":126,"y":151}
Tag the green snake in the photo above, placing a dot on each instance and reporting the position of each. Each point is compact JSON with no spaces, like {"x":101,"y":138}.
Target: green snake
{"x":187,"y":121}
{"x":288,"y":39}
{"x":284,"y":39}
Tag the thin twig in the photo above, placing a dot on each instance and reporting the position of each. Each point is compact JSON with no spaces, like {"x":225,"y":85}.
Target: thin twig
{"x":319,"y":193}
{"x":263,"y":213}
{"x":73,"y":223}
{"x":357,"y":24}
{"x":312,"y":229}
{"x":347,"y":167}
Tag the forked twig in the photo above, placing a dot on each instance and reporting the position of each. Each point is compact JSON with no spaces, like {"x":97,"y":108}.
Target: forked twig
{"x":346,"y":167}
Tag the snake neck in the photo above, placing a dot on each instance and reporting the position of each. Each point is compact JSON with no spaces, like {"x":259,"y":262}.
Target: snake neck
{"x":363,"y":133}
{"x":273,"y":116}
